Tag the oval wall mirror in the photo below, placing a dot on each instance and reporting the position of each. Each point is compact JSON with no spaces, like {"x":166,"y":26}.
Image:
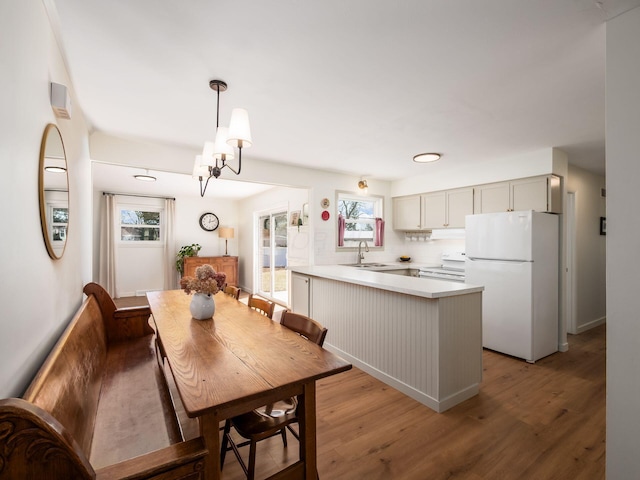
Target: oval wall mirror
{"x":54,"y":192}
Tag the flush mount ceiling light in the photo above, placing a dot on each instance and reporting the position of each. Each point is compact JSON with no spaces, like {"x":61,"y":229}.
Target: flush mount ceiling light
{"x":426,"y":157}
{"x":216,"y":154}
{"x":145,"y":178}
{"x":54,"y":169}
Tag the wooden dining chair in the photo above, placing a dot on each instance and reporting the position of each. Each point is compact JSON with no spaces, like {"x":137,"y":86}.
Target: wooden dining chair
{"x":232,"y":291}
{"x":272,"y":419}
{"x":265,"y":307}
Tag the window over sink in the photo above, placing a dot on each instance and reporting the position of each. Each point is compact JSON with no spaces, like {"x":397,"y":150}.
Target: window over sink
{"x":359,"y":218}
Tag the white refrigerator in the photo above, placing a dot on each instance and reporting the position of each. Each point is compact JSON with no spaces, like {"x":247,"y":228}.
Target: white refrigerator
{"x":514,"y":255}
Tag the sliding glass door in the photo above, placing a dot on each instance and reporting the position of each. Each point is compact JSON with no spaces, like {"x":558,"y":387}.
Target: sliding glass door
{"x":271,"y":267}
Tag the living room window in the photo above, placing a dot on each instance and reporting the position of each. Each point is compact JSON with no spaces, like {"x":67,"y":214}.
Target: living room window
{"x":139,"y":225}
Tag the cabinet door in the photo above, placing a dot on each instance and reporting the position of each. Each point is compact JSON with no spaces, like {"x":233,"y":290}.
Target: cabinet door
{"x":530,"y":194}
{"x":191,"y":263}
{"x":229,"y":265}
{"x":301,"y":294}
{"x":406,"y":213}
{"x":434,"y":210}
{"x":491,"y":198}
{"x":459,"y":205}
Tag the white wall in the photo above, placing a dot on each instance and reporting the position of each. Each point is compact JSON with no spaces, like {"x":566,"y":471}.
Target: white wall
{"x":445,"y":176}
{"x":38,"y":295}
{"x":139,"y":267}
{"x":623,"y":231}
{"x":589,"y":254}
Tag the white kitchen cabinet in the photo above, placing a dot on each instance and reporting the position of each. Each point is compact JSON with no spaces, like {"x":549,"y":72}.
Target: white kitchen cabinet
{"x":434,"y":206}
{"x":447,"y":209}
{"x":459,"y":205}
{"x":541,"y":194}
{"x":407,"y":213}
{"x":301,"y":294}
{"x":491,"y":198}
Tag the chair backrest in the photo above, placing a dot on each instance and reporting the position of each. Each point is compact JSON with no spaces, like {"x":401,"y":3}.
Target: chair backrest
{"x":304,"y":326}
{"x":265,"y":307}
{"x":232,"y":291}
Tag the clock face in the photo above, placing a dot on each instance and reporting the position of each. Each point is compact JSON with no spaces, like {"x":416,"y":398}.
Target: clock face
{"x":209,"y":221}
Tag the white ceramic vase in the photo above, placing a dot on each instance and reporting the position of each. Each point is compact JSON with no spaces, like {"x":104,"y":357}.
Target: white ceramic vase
{"x":202,"y":306}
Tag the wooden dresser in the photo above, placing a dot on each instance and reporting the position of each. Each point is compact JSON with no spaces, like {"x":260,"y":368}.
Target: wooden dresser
{"x":228,"y":265}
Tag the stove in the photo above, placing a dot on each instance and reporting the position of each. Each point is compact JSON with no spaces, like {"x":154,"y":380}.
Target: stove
{"x":452,"y":268}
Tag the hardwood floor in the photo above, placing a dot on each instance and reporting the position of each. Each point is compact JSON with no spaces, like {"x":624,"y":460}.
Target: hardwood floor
{"x":530,"y":421}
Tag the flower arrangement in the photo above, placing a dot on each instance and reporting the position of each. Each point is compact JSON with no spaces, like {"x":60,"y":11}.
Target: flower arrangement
{"x":206,"y":281}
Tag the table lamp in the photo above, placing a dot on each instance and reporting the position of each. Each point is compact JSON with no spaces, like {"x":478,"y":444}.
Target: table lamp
{"x":226,"y":233}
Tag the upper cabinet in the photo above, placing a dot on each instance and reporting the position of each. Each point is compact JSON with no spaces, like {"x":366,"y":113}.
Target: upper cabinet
{"x":407,"y":213}
{"x":541,"y":194}
{"x":447,"y":209}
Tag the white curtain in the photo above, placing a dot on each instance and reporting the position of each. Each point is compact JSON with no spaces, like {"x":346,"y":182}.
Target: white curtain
{"x":170,"y":273}
{"x":108,"y":230}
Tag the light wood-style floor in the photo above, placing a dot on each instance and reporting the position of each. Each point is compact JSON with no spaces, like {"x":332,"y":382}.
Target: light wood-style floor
{"x":530,"y":421}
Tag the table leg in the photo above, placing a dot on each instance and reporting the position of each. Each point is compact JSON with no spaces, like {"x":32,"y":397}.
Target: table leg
{"x":307,"y":418}
{"x":210,"y":433}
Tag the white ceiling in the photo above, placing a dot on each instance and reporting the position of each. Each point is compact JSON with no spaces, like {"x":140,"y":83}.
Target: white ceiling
{"x":355,"y":86}
{"x":119,"y":179}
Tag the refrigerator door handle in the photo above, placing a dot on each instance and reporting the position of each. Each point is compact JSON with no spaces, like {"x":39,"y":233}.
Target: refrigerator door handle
{"x":495,"y":260}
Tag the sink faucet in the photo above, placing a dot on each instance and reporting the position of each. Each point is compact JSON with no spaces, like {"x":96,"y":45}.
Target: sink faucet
{"x":360,"y":254}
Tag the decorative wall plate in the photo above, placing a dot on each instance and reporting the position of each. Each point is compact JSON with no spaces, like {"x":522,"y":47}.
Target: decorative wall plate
{"x":325,"y":215}
{"x":324,"y":203}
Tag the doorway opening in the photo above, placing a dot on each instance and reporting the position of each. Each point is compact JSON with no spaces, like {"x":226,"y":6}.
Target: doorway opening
{"x":271,"y":265}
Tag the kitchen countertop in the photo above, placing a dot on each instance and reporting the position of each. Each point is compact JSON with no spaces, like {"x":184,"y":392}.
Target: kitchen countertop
{"x":420,"y":287}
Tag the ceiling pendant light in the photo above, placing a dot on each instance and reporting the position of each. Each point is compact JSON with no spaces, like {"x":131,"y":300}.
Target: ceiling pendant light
{"x":426,"y":157}
{"x":216,"y":155}
{"x":145,"y":178}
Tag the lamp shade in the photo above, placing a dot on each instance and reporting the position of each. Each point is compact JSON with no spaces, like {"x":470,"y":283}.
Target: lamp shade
{"x":199,"y":170}
{"x":221,"y":149}
{"x":225,"y":232}
{"x":207,"y":154}
{"x":239,"y":129}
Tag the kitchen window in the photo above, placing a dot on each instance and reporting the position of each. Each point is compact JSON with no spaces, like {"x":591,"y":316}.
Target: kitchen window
{"x":359,"y":219}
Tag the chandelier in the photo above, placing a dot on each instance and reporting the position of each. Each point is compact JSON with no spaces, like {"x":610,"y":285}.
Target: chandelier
{"x":216,"y":155}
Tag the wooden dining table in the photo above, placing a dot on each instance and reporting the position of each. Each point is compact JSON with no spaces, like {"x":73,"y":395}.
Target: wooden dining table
{"x":238,"y":361}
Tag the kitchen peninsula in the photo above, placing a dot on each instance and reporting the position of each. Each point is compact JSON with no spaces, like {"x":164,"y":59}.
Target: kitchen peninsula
{"x":421,"y":336}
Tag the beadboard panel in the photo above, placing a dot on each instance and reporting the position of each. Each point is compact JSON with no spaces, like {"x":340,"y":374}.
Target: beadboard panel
{"x":430,"y":349}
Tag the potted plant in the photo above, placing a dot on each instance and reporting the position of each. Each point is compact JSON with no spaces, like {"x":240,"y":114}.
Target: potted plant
{"x":186,"y":251}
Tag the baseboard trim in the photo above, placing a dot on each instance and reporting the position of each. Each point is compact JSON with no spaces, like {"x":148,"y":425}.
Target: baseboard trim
{"x":434,"y":404}
{"x":588,"y":326}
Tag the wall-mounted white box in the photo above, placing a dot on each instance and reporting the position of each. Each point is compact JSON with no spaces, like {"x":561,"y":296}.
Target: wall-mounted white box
{"x":60,"y":101}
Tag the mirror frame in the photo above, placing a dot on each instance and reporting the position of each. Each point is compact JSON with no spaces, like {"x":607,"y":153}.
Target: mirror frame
{"x":41,"y":191}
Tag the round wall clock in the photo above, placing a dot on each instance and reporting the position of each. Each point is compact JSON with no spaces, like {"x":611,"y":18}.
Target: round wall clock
{"x":209,"y":221}
{"x":324,"y":203}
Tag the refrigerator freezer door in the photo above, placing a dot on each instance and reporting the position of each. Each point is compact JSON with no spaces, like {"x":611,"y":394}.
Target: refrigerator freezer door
{"x":501,"y":236}
{"x":506,"y":305}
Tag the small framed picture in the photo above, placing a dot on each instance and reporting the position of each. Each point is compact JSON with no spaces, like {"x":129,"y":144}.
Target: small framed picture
{"x":295,"y":216}
{"x":603,"y":225}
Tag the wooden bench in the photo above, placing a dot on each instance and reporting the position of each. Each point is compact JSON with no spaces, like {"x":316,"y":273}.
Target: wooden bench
{"x":99,"y":407}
